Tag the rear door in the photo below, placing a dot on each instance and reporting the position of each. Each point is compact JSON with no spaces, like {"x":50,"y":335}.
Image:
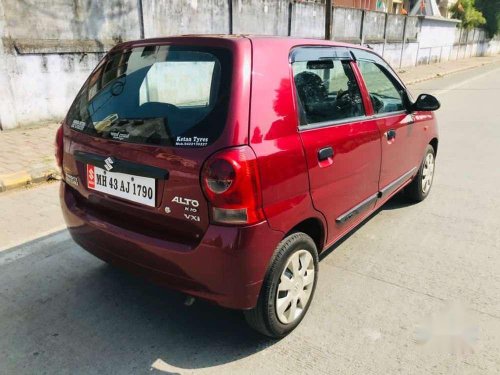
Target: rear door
{"x":396,"y":124}
{"x":342,"y":144}
{"x":140,"y":130}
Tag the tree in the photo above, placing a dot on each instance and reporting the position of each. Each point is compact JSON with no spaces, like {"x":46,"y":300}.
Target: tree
{"x":491,"y":11}
{"x":466,"y":11}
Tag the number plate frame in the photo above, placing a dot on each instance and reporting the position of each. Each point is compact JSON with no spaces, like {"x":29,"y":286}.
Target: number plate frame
{"x":133,"y":188}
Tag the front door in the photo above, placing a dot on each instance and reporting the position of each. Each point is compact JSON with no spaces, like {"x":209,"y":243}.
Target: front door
{"x":342,"y":144}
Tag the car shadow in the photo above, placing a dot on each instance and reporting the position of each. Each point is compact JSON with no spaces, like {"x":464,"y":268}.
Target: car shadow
{"x":398,"y":201}
{"x":62,"y":310}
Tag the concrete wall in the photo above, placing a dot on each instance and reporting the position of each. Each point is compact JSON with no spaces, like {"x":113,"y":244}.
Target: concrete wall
{"x":42,"y":87}
{"x":395,"y":27}
{"x":49,"y":47}
{"x":492,"y":47}
{"x":373,"y":27}
{"x":408,"y":41}
{"x":347,"y":24}
{"x":71,"y":19}
{"x":308,"y":20}
{"x":260,"y":17}
{"x":436,"y":40}
{"x":174,"y":17}
{"x":7,"y":105}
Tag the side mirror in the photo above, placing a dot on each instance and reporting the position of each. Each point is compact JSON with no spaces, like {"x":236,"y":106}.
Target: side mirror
{"x":426,"y":102}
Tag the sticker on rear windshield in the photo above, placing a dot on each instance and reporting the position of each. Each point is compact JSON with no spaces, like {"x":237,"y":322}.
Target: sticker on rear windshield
{"x":78,"y":125}
{"x":191,"y":141}
{"x":119,"y":136}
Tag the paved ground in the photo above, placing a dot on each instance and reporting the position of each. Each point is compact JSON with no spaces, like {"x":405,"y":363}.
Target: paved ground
{"x":27,"y":155}
{"x":415,"y":290}
{"x":28,"y":214}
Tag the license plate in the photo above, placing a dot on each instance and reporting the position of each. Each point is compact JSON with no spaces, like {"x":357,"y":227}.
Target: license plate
{"x":133,"y":188}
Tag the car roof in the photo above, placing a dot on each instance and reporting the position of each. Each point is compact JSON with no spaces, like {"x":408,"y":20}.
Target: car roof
{"x":284,"y":40}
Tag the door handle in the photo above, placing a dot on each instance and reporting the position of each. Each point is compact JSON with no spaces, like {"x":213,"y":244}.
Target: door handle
{"x":390,"y":134}
{"x":325,"y":153}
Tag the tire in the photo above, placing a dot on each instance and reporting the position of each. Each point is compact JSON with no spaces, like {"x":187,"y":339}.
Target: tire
{"x":296,"y":259}
{"x":421,"y":185}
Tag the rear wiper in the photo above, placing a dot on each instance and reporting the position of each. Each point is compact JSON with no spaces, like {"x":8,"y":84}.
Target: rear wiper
{"x":102,"y":125}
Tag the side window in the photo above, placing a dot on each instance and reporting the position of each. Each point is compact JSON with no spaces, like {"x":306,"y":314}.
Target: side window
{"x":327,"y":91}
{"x":385,"y":95}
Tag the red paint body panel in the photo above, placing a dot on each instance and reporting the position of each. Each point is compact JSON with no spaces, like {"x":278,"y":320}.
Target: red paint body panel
{"x":226,"y":266}
{"x":275,"y":140}
{"x":222,"y":263}
{"x":353,"y":173}
{"x":399,"y":154}
{"x":414,"y":133}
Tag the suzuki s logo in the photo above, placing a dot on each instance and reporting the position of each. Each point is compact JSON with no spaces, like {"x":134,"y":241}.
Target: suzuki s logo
{"x":108,"y":163}
{"x":90,"y":176}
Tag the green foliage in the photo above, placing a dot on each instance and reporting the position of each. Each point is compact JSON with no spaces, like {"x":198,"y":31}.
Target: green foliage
{"x":465,"y":11}
{"x":491,"y":11}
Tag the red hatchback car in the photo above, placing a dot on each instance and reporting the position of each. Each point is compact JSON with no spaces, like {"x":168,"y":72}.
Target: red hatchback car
{"x":222,"y":166}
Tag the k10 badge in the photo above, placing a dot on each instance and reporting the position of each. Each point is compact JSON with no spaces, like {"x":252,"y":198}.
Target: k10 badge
{"x":190,"y":207}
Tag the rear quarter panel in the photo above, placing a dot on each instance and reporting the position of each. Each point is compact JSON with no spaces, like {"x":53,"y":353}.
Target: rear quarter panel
{"x":274,"y":137}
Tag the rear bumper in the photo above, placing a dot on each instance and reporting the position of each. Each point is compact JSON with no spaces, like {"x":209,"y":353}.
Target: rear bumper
{"x":227,"y":267}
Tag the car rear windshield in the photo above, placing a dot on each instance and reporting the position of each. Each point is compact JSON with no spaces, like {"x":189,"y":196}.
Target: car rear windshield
{"x":160,"y":95}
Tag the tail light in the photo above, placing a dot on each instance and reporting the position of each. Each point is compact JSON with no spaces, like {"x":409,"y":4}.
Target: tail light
{"x":231,"y":183}
{"x":59,"y":146}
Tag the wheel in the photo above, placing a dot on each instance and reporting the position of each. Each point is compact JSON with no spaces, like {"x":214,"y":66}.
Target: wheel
{"x":288,"y":287}
{"x":421,"y":185}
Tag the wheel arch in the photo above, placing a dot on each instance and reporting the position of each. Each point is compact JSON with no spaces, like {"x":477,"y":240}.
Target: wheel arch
{"x":434,"y":143}
{"x":314,"y":228}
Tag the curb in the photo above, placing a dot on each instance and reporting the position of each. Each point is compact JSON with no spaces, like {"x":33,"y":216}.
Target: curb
{"x":25,"y":178}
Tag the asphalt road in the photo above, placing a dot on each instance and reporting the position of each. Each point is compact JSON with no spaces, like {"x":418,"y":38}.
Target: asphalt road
{"x":415,"y":290}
